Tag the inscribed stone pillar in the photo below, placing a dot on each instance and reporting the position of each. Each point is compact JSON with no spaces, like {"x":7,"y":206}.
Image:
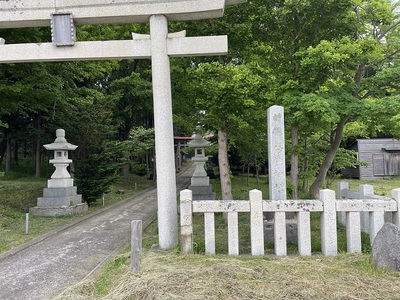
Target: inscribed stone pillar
{"x":277,"y":181}
{"x":276,"y":153}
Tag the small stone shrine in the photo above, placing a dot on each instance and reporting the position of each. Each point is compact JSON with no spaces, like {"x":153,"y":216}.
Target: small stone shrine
{"x":60,"y":198}
{"x":200,"y":182}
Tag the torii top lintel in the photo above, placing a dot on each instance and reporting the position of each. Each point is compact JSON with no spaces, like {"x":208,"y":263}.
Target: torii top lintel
{"x":37,"y":13}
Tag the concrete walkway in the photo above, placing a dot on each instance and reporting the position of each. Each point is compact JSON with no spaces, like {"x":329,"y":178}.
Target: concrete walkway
{"x":49,"y":264}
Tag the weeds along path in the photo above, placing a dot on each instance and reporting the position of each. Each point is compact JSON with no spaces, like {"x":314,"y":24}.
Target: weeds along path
{"x":50,"y":263}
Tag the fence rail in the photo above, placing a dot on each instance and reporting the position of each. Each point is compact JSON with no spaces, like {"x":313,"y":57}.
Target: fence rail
{"x":327,"y":205}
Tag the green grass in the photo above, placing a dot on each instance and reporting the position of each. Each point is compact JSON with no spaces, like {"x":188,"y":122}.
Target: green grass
{"x":18,"y":195}
{"x":169,"y":275}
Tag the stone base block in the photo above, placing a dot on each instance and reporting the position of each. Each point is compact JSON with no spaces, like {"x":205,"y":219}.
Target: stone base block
{"x":291,"y":231}
{"x":59,"y":201}
{"x":200,"y":189}
{"x":200,"y":181}
{"x":202,"y":192}
{"x":58,"y":211}
{"x":60,"y":192}
{"x":210,"y":196}
{"x":60,"y":183}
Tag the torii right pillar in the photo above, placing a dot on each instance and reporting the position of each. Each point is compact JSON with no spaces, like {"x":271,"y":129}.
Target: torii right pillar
{"x":281,"y":222}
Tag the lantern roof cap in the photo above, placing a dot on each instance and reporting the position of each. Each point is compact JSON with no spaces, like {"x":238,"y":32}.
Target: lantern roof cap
{"x":60,"y":143}
{"x":198,"y":141}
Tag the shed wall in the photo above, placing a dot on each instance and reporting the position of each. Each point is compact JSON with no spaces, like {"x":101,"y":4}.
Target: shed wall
{"x":382,"y":157}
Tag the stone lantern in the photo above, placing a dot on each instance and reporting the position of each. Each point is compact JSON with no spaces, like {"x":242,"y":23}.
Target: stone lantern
{"x":60,"y":178}
{"x":200,"y":183}
{"x":60,"y":197}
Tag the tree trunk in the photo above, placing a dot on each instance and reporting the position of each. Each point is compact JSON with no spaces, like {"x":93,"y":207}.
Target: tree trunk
{"x":38,"y":158}
{"x":224,"y":169}
{"x":294,"y":162}
{"x":125,"y":171}
{"x":3,"y":149}
{"x":304,"y":168}
{"x":16,"y":150}
{"x":8,"y":156}
{"x":248,"y":173}
{"x":38,"y":149}
{"x":323,"y":170}
{"x":257,"y":172}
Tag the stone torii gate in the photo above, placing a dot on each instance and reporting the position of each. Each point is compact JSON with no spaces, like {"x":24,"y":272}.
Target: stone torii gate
{"x":64,"y":15}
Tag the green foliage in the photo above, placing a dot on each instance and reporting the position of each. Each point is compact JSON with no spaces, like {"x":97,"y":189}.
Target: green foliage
{"x":139,"y":142}
{"x":97,"y":158}
{"x":96,"y":173}
{"x":327,"y":62}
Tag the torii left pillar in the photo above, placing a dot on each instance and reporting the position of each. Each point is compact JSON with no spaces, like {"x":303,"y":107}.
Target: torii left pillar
{"x":164,"y":134}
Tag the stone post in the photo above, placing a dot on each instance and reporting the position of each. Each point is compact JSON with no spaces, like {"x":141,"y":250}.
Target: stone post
{"x":365,"y":190}
{"x":341,"y":187}
{"x":396,"y":215}
{"x":276,"y":153}
{"x":164,"y":137}
{"x":186,"y":221}
{"x":328,"y":223}
{"x":353,"y":232}
{"x":136,"y":246}
{"x":256,"y":221}
{"x":277,"y":183}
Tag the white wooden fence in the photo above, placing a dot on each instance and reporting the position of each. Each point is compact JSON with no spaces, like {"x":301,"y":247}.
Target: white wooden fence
{"x":327,"y":205}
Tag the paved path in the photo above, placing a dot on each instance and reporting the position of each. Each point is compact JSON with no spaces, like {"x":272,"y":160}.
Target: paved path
{"x":49,"y":264}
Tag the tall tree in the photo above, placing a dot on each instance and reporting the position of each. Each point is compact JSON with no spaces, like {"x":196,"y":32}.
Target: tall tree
{"x":226,"y":99}
{"x":322,"y":51}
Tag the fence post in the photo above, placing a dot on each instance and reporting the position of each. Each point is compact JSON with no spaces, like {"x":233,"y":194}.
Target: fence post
{"x":365,"y":189}
{"x":304,"y":233}
{"x":186,"y":221}
{"x":376,"y":221}
{"x":27,"y":223}
{"x":209,"y":232}
{"x":136,"y":245}
{"x":280,"y":233}
{"x":353,"y":232}
{"x":328,"y":223}
{"x":256,"y":223}
{"x":341,"y":186}
{"x":233,"y":233}
{"x":396,"y":214}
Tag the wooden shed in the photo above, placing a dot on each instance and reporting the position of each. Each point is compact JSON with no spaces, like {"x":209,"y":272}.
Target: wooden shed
{"x":382,"y":156}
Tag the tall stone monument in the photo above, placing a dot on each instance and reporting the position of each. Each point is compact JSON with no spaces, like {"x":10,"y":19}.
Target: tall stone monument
{"x":200,"y":182}
{"x":60,"y":198}
{"x":159,"y":46}
{"x":281,"y":222}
